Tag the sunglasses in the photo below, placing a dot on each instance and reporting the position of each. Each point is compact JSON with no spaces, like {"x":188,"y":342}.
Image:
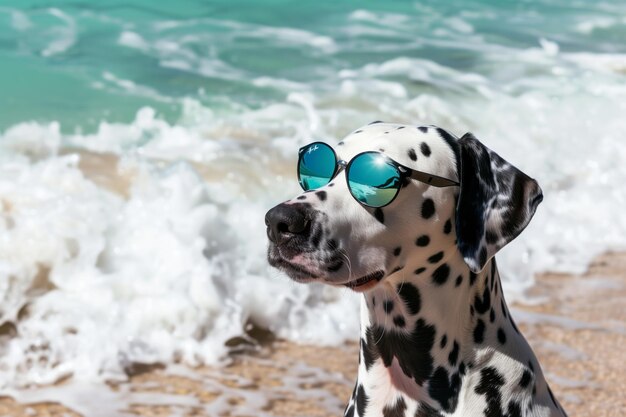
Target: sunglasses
{"x":374,"y":179}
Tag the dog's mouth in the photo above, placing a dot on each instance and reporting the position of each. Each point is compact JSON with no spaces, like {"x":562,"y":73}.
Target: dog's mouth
{"x":304,"y":274}
{"x":366,"y":282}
{"x":294,"y":270}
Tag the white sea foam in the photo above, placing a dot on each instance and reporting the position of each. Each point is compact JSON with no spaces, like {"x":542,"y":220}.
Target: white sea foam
{"x":133,"y":40}
{"x":19,"y":20}
{"x":112,"y":82}
{"x":63,"y":37}
{"x":99,"y":282}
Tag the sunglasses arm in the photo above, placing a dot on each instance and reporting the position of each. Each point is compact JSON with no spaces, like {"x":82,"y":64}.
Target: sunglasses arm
{"x":430,"y":179}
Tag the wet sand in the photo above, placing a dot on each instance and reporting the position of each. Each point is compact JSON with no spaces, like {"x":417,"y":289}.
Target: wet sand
{"x":578,"y":332}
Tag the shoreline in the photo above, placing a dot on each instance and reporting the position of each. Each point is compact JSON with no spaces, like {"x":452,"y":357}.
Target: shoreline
{"x":575,"y":332}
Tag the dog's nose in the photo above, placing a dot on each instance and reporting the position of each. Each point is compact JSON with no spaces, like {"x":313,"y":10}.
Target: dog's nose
{"x":284,"y":222}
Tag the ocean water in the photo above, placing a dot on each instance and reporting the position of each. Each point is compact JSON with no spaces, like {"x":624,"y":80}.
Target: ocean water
{"x":202,"y":106}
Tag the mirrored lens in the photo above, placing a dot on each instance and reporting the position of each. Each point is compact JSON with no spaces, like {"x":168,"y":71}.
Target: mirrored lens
{"x":373,"y":179}
{"x":316,"y":166}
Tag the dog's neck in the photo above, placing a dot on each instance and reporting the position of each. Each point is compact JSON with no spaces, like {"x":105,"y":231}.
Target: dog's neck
{"x":422,"y":331}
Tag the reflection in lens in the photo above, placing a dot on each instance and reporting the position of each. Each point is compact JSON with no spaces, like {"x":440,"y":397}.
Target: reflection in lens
{"x":373,"y":179}
{"x":316,"y":167}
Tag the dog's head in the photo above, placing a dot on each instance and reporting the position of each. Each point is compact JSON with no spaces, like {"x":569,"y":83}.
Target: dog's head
{"x":325,"y":235}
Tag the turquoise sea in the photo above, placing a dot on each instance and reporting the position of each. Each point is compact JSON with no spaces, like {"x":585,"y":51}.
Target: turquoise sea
{"x":141,"y":143}
{"x":80,"y":63}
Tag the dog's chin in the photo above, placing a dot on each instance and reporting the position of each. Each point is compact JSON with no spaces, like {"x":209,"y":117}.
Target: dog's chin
{"x":296,"y":272}
{"x":293,"y":270}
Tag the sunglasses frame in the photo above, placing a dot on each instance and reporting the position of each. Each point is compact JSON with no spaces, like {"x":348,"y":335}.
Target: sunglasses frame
{"x":403,"y":171}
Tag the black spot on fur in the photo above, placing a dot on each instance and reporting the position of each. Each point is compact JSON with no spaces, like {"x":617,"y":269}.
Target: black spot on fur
{"x":444,"y":341}
{"x":420,"y":270}
{"x":412,"y":350}
{"x":424,"y":410}
{"x":492,"y":315}
{"x":527,"y":376}
{"x":340,"y":143}
{"x":440,"y":275}
{"x":459,"y":280}
{"x":425,"y":149}
{"x":397,"y":251}
{"x":461,"y":368}
{"x":321,"y":195}
{"x":454,"y":354}
{"x":411,"y":297}
{"x":472,"y":278}
{"x":490,"y":237}
{"x":482,"y":305}
{"x":491,"y":381}
{"x":349,"y":411}
{"x":445,"y":389}
{"x":451,"y":141}
{"x":479,"y":331}
{"x":358,"y":131}
{"x":428,"y":208}
{"x":397,"y":410}
{"x":373,"y":123}
{"x":361,"y":400}
{"x":502,"y":307}
{"x":423,"y":240}
{"x":400,"y":127}
{"x":447,"y":227}
{"x":332,"y":184}
{"x":370,"y":354}
{"x":412,"y":155}
{"x":501,"y":336}
{"x":514,"y":409}
{"x":435,"y":258}
{"x":399,"y":321}
{"x":380,"y":216}
{"x":423,"y":129}
{"x":301,"y":197}
{"x":388,"y":306}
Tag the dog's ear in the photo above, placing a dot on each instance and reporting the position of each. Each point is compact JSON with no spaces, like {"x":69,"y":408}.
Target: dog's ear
{"x":495,"y":204}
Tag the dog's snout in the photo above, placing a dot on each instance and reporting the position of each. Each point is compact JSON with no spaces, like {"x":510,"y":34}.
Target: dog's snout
{"x":285,"y":221}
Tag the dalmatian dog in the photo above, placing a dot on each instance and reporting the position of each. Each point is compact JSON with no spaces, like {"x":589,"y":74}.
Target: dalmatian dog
{"x":437,"y":338}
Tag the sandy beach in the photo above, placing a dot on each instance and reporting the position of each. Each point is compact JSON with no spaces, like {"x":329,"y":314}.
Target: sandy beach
{"x":577,"y":331}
